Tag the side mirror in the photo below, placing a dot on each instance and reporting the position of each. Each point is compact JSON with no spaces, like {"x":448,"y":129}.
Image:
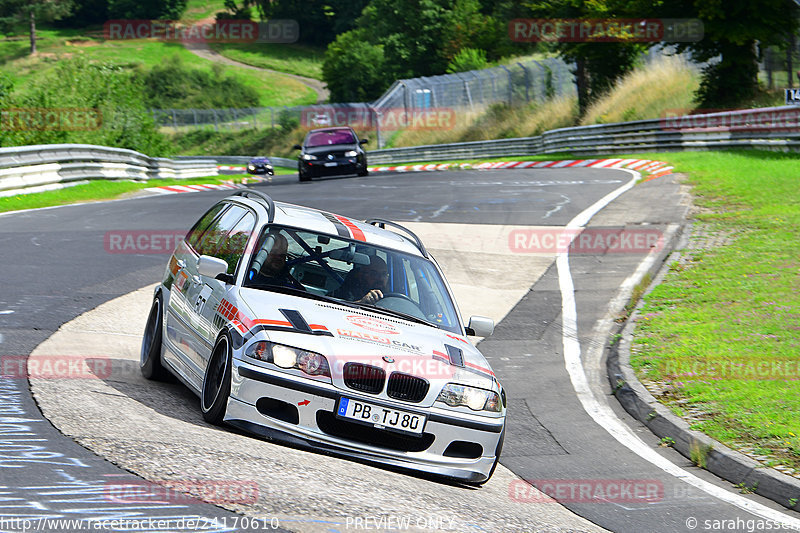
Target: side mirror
{"x":211,"y":266}
{"x":363,"y":141}
{"x":297,"y":147}
{"x":480,"y":326}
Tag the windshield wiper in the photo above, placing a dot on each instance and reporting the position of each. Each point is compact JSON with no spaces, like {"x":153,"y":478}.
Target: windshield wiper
{"x":397,"y":314}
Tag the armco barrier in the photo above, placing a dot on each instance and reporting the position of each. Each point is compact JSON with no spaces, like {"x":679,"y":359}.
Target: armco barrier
{"x":775,"y":128}
{"x":53,"y":165}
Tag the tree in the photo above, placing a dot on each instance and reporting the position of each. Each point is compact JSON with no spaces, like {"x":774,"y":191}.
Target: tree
{"x":146,"y":9}
{"x":733,"y":32}
{"x":16,"y":12}
{"x":354,"y":69}
{"x":598,"y":65}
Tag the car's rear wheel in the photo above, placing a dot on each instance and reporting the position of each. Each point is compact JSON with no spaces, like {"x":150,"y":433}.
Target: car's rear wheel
{"x":217,"y":382}
{"x":150,"y":358}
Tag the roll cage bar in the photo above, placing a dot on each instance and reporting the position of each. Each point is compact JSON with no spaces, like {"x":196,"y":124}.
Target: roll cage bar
{"x":251,"y":193}
{"x":382,"y":223}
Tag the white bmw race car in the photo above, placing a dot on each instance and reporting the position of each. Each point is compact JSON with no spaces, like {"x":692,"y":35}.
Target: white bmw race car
{"x":307,"y":327}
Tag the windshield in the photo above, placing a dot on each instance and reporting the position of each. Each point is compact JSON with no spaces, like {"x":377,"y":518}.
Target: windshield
{"x":329,"y":137}
{"x":352,"y":272}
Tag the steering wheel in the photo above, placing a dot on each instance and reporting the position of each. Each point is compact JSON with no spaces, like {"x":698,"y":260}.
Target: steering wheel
{"x":397,"y":295}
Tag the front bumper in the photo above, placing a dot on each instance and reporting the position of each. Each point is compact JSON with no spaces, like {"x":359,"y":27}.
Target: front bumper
{"x":301,"y":411}
{"x":270,"y":171}
{"x":317,"y":168}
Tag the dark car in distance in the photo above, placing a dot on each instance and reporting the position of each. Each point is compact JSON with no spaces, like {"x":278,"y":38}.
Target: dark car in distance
{"x":260,"y":165}
{"x":331,"y":152}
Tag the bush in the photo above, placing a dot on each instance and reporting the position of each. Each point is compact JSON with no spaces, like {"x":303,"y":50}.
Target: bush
{"x":287,"y":121}
{"x":98,"y":88}
{"x":172,"y":84}
{"x":467,"y":59}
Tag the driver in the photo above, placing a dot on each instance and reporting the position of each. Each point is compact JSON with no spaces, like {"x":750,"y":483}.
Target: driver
{"x":274,"y":270}
{"x":366,"y":284}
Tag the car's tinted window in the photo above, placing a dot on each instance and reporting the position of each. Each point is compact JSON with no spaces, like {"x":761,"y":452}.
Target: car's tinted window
{"x":233,"y":245}
{"x":347,"y":270}
{"x":196,"y":233}
{"x":217,"y":232}
{"x":324,"y":138}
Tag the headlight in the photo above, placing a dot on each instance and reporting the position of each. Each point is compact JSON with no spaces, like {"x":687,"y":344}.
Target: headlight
{"x":311,"y":363}
{"x":476,"y":399}
{"x":350,"y":153}
{"x":309,"y":157}
{"x":251,"y":167}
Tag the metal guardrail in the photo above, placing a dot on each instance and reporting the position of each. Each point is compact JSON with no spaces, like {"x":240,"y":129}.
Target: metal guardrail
{"x":775,"y":128}
{"x":53,"y":165}
{"x":237,"y":160}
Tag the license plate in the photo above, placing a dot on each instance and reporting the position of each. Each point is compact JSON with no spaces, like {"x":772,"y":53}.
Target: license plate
{"x":331,"y":164}
{"x":380,"y":417}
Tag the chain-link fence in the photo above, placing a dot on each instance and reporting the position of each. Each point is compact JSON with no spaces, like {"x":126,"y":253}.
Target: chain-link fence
{"x":526,"y":81}
{"x":532,"y":80}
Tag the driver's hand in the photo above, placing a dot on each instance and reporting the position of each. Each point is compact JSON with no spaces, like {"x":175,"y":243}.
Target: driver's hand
{"x":372,"y":296}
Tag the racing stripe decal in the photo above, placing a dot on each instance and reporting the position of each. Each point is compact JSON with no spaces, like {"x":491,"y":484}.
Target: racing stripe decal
{"x":341,"y":229}
{"x":249,"y":327}
{"x":357,"y":233}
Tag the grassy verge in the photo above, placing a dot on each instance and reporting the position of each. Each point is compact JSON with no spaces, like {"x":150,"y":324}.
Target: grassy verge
{"x":718,"y":340}
{"x":292,"y":58}
{"x":273,"y":90}
{"x":92,"y":191}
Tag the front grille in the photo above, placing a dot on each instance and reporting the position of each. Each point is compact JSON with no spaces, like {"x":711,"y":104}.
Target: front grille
{"x":364,"y":378}
{"x":352,"y":431}
{"x":407,"y":387}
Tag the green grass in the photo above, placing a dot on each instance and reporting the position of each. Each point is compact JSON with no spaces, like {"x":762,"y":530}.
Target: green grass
{"x":735,"y":306}
{"x":292,"y":58}
{"x":273,"y":90}
{"x":202,"y":9}
{"x":92,"y":191}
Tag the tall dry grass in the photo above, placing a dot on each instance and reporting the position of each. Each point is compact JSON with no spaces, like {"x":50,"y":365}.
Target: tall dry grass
{"x":497,"y":121}
{"x":665,"y":85}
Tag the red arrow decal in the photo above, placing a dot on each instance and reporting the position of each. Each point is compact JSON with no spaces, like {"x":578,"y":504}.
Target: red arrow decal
{"x":304,"y":402}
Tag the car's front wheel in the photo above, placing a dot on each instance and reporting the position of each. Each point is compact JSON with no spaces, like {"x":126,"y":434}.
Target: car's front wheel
{"x":217,"y":382}
{"x":303,"y":176}
{"x":150,"y":358}
{"x":364,"y":171}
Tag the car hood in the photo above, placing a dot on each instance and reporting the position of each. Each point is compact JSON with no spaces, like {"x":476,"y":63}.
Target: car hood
{"x":344,"y":334}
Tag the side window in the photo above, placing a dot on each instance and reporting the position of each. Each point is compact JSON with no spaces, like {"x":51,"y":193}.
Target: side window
{"x":233,"y":246}
{"x":215,"y":236}
{"x":196,"y":233}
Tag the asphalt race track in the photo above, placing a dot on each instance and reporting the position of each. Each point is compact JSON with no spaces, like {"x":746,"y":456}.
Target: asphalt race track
{"x":57,"y":265}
